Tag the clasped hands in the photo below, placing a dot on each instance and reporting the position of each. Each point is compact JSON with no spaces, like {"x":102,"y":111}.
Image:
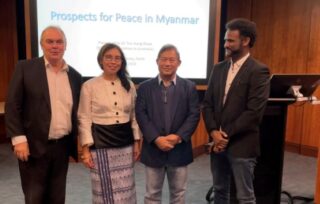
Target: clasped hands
{"x":166,"y":143}
{"x":220,"y":140}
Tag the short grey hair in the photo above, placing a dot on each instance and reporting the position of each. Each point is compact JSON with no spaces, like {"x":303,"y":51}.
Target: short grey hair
{"x":54,"y":28}
{"x":169,"y":47}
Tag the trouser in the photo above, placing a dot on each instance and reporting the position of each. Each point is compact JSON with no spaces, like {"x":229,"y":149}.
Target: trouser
{"x":43,"y":179}
{"x":224,"y":168}
{"x":177,"y":180}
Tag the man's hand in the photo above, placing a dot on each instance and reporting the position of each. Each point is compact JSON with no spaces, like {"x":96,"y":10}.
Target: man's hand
{"x":163,"y":143}
{"x":220,"y":140}
{"x":21,"y":151}
{"x":173,"y":139}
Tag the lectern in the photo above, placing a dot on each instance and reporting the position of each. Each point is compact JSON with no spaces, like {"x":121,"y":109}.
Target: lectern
{"x":285,"y":89}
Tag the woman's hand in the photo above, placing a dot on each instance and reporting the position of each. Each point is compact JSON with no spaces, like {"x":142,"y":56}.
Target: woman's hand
{"x":136,"y":150}
{"x":86,"y":157}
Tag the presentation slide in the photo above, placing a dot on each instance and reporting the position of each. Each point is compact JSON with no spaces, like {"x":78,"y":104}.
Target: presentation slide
{"x":139,"y":27}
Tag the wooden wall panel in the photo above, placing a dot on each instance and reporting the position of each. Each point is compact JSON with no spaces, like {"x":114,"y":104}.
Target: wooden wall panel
{"x":275,"y":32}
{"x":314,"y":44}
{"x":317,"y":193}
{"x":310,"y":130}
{"x":281,"y":43}
{"x":295,"y":58}
{"x":217,"y":32}
{"x":199,"y":138}
{"x":8,"y":52}
{"x":264,"y":38}
{"x":311,"y":119}
{"x":299,"y":27}
{"x":27,"y":17}
{"x":238,"y":9}
{"x":8,"y":44}
{"x":294,"y":124}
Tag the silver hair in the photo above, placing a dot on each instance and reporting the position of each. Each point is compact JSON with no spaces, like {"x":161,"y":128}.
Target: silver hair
{"x":55,"y":28}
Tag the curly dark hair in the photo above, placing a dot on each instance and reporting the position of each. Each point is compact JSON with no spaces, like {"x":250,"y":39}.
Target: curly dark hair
{"x":122,"y":73}
{"x":246,"y":28}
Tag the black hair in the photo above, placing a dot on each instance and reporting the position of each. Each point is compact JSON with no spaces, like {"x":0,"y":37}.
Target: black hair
{"x":246,"y":28}
{"x":122,"y":73}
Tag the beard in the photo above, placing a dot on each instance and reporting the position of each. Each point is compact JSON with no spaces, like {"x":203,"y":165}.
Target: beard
{"x":232,"y":53}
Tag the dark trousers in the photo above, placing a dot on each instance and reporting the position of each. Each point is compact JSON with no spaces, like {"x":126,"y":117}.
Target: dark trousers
{"x":44,"y":179}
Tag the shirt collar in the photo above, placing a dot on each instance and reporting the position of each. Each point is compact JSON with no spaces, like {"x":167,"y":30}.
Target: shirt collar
{"x":240,"y":62}
{"x":174,"y":80}
{"x":65,"y":66}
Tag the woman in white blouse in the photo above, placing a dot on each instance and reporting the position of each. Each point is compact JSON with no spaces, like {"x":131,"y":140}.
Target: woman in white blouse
{"x":109,"y":133}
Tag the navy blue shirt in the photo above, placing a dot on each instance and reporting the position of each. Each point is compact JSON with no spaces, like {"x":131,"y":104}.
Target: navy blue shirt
{"x":167,"y":99}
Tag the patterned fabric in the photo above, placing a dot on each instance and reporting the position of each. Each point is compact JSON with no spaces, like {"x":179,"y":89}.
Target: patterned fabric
{"x":113,"y":176}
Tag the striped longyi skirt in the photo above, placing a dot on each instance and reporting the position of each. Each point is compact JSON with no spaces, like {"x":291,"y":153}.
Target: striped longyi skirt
{"x":113,"y":176}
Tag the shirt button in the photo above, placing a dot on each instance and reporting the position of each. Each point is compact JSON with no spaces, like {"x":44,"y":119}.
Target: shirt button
{"x":115,"y":103}
{"x":117,"y":121}
{"x":114,"y":93}
{"x":117,"y":113}
{"x":112,"y":83}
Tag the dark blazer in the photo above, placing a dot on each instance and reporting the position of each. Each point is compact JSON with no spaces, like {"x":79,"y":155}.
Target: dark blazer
{"x":185,"y":117}
{"x":242,"y":112}
{"x":28,"y":110}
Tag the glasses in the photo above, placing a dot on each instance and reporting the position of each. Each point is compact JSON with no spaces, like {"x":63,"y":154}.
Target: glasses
{"x":171,"y":60}
{"x":109,"y":58}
